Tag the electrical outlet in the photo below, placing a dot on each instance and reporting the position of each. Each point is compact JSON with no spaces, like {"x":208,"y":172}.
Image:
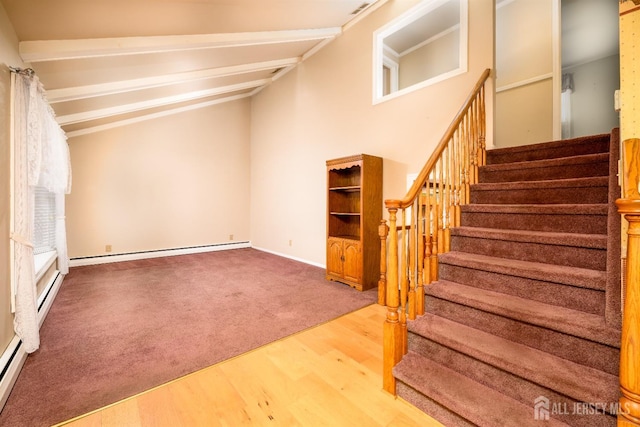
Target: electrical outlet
{"x":290,"y":242}
{"x":107,"y":248}
{"x":230,"y":236}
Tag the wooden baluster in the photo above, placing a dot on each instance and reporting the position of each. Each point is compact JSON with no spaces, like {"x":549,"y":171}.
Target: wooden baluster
{"x":451,"y":210}
{"x":413,"y":231}
{"x":433,"y":261}
{"x":465,"y":162}
{"x":473,"y":176}
{"x":458,"y":176}
{"x":482,"y":127}
{"x":440,"y":201}
{"x":403,"y":281}
{"x":392,"y":331}
{"x":629,"y":206}
{"x":421,"y":276}
{"x":428,"y":232}
{"x":383,"y":232}
{"x":446,"y":203}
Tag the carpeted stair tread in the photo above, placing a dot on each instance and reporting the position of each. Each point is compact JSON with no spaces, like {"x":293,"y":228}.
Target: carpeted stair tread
{"x":572,"y":276}
{"x":576,"y":381}
{"x":573,"y":322}
{"x":556,"y":191}
{"x":540,"y":209}
{"x":567,"y":218}
{"x":469,"y":399}
{"x":598,"y":181}
{"x":553,"y":149}
{"x":595,"y":241}
{"x":587,"y":165}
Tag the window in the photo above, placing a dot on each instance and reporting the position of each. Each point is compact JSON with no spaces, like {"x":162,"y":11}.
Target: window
{"x":44,"y":228}
{"x":426,"y":45}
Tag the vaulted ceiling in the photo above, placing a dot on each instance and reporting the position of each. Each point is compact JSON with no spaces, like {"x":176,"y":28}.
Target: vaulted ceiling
{"x":106,"y":63}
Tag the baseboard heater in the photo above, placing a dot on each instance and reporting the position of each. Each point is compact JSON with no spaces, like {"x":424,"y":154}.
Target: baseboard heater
{"x":133,"y":256}
{"x":14,"y":356}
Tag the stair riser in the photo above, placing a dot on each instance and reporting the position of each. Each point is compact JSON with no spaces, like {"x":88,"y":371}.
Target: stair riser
{"x":571,"y":195}
{"x":536,"y":252}
{"x":431,"y":407}
{"x":517,"y":388}
{"x":584,"y":170}
{"x":554,"y":151}
{"x":572,"y":348}
{"x":577,"y":298}
{"x":587,"y":224}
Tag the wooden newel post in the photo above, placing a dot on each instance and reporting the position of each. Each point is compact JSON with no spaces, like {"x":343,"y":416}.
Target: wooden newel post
{"x":629,"y":206}
{"x":392,"y":331}
{"x":383,"y":232}
{"x":630,"y":344}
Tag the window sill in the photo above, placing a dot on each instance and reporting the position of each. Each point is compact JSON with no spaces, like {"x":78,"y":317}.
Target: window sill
{"x":42,"y":262}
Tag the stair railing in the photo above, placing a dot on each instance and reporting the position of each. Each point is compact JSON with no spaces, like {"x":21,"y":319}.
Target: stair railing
{"x":629,"y":206}
{"x":432,"y":207}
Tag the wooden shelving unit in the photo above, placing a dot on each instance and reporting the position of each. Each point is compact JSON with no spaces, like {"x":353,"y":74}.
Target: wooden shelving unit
{"x":354,"y":211}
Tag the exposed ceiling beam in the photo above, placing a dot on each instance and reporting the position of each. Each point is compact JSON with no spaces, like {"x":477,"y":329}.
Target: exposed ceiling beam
{"x":111,"y":88}
{"x":157,"y":115}
{"x":157,"y":102}
{"x":55,"y":50}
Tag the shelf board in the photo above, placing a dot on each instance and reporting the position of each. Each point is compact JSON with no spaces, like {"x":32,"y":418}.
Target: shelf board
{"x":346,"y":237}
{"x":345,"y":213}
{"x":347,"y":188}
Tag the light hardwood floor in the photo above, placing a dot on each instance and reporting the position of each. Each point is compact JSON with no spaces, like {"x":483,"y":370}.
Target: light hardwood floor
{"x":329,"y":375}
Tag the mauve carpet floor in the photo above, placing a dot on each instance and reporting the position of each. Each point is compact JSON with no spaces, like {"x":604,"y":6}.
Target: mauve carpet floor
{"x":118,"y":329}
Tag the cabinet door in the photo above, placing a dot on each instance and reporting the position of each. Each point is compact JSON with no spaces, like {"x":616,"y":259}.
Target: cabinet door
{"x":334,"y":257}
{"x":353,"y":261}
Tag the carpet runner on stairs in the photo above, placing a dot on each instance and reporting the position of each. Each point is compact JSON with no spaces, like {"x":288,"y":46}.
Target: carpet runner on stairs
{"x":523,"y":323}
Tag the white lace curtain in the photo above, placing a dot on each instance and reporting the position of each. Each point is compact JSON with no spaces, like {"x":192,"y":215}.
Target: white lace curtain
{"x":40,"y":158}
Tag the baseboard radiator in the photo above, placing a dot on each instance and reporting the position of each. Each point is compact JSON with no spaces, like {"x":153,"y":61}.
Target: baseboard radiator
{"x":13,"y":358}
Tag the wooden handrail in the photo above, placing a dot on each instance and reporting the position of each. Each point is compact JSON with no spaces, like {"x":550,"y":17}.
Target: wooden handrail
{"x":629,"y":206}
{"x":437,"y":152}
{"x":434,"y":199}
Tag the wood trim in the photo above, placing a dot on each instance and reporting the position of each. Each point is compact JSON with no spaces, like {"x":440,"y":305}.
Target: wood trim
{"x":525,"y":82}
{"x":105,"y":259}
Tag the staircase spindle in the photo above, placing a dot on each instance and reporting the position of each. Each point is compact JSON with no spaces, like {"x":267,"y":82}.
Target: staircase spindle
{"x":403,"y":280}
{"x":447,"y":199}
{"x":434,"y":230}
{"x":383,"y":232}
{"x":421,"y":255}
{"x":412,"y":262}
{"x":428,"y":233}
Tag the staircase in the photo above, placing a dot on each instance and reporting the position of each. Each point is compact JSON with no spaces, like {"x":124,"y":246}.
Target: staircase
{"x":524,"y":319}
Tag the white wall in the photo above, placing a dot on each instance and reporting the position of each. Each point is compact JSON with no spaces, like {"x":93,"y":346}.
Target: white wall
{"x":592,"y":100}
{"x":178,"y":181}
{"x":323,"y":110}
{"x":434,"y":58}
{"x":524,"y":47}
{"x":8,"y":57}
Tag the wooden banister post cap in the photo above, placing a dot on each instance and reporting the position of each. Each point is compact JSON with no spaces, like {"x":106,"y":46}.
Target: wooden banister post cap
{"x":383,"y":228}
{"x":392,"y":204}
{"x":628,"y":206}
